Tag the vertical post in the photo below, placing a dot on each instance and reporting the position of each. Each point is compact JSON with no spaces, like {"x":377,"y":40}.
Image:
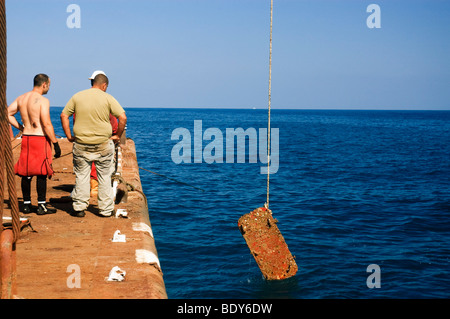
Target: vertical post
{"x":123,"y":137}
{"x":8,"y":264}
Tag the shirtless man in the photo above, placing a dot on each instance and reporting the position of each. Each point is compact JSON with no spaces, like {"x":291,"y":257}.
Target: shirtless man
{"x":36,"y":151}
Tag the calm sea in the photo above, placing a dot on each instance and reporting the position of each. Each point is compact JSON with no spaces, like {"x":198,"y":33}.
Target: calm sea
{"x":353,"y":189}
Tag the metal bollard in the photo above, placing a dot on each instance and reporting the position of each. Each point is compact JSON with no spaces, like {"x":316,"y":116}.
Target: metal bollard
{"x":8,"y":264}
{"x":123,"y":137}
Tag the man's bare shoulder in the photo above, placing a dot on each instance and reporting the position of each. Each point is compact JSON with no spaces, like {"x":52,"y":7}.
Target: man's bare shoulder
{"x":22,"y":100}
{"x":31,"y":99}
{"x":24,"y":96}
{"x":36,"y":98}
{"x":43,"y":99}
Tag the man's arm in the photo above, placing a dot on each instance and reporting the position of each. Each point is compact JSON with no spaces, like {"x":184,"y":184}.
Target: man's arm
{"x":46,"y":122}
{"x":47,"y":126}
{"x":12,"y":110}
{"x":66,"y":127}
{"x":121,"y":127}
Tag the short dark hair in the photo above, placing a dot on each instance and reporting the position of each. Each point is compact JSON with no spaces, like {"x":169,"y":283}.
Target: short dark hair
{"x":100,"y":79}
{"x":40,"y":79}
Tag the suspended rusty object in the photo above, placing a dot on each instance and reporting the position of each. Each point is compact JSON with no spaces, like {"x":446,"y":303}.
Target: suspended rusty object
{"x":259,"y":228}
{"x":267,"y":245}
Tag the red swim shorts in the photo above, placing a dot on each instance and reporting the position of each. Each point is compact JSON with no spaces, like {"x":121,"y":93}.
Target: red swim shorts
{"x":35,"y":157}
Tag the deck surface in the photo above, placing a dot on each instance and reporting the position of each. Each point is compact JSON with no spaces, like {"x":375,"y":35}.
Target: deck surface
{"x":65,"y":257}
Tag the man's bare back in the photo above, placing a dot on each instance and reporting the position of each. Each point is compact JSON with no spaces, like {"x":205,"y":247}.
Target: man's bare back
{"x":29,"y":106}
{"x":35,"y":112}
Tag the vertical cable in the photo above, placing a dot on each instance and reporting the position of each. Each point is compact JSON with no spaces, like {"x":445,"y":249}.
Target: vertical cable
{"x":270,"y":94}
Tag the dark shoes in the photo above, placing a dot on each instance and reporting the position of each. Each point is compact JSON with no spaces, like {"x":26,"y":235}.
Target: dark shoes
{"x":44,"y":210}
{"x":106,"y":214}
{"x":77,"y":213}
{"x":26,"y":208}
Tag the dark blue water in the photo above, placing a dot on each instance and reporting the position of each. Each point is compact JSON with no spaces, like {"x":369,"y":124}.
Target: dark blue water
{"x":353,"y":188}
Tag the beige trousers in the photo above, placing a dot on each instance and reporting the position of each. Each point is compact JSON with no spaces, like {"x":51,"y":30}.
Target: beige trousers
{"x":103,"y":157}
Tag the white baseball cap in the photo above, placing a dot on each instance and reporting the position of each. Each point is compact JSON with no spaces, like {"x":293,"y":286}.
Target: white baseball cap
{"x":96,"y":73}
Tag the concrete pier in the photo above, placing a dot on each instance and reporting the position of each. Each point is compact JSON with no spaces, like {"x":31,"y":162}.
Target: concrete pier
{"x":65,"y":257}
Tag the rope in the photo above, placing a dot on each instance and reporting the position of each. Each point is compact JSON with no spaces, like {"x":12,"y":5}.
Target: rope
{"x":270,"y":96}
{"x":2,"y":183}
{"x":4,"y":130}
{"x":2,"y":104}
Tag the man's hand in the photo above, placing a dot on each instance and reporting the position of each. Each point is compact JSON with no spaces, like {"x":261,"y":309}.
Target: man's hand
{"x":57,"y":150}
{"x":115,"y":138}
{"x":71,"y":139}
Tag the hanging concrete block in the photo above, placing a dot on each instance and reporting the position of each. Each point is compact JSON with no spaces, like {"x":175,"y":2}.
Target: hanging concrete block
{"x":267,"y":245}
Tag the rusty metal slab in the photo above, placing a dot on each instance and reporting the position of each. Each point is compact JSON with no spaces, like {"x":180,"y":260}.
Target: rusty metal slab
{"x":267,"y":245}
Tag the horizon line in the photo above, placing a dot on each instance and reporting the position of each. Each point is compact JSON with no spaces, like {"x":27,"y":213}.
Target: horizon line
{"x":283,"y":109}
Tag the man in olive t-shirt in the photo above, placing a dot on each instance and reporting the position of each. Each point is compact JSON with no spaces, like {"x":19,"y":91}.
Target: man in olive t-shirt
{"x":93,"y":142}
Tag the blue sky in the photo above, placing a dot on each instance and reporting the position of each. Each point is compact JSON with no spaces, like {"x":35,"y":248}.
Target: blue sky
{"x":215,"y":53}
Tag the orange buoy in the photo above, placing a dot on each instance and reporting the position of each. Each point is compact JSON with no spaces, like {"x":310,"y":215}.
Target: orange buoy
{"x":267,"y":245}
